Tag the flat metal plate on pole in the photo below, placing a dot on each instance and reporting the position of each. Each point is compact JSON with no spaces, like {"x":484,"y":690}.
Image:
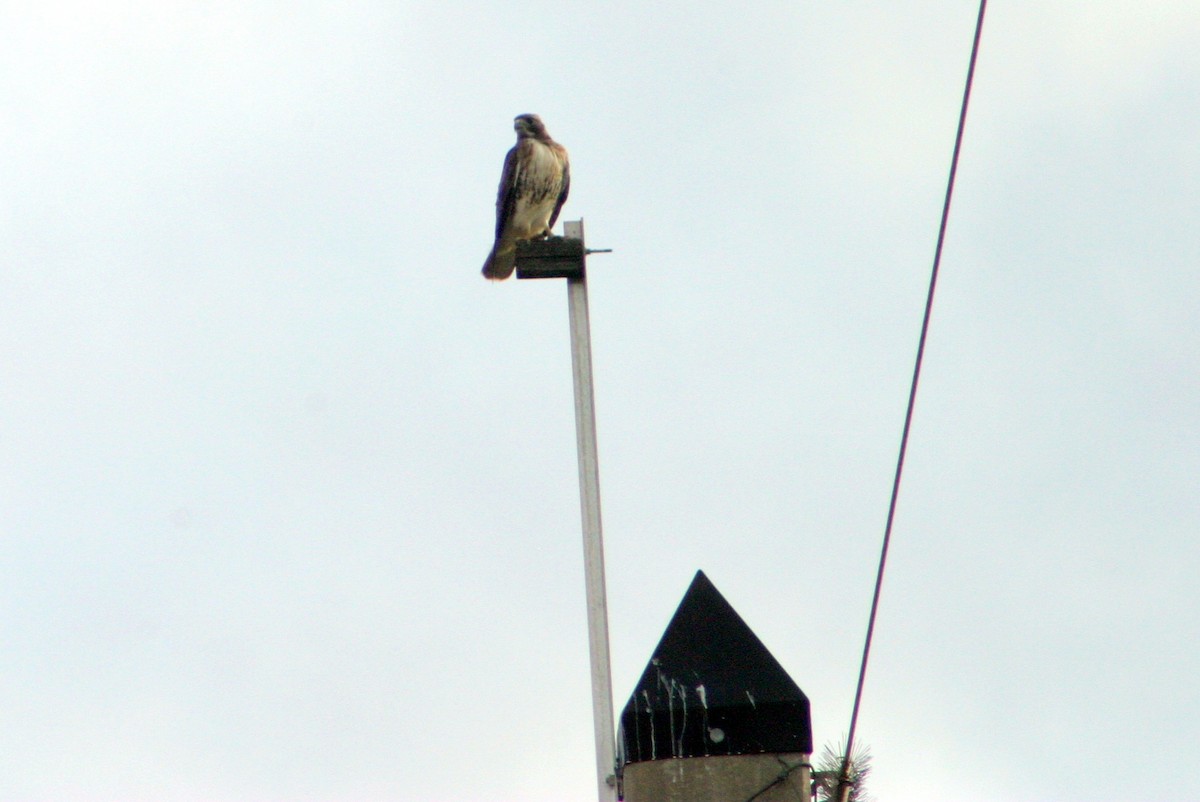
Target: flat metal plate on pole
{"x":553,"y":257}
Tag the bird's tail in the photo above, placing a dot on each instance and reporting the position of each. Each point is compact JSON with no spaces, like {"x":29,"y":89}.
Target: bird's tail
{"x":501,"y":261}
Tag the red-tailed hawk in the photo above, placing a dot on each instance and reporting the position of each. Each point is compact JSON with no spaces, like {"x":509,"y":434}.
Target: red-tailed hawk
{"x":533,"y":189}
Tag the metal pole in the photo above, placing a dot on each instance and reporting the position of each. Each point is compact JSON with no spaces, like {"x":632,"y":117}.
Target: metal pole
{"x":593,"y":540}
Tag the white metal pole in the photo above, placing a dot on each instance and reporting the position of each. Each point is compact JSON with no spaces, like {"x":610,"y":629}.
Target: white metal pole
{"x":593,"y":540}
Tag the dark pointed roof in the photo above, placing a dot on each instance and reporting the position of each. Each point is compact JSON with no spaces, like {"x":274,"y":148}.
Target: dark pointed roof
{"x":712,"y":688}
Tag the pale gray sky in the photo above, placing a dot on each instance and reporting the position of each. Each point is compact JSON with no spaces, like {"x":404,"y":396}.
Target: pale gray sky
{"x":288,"y":491}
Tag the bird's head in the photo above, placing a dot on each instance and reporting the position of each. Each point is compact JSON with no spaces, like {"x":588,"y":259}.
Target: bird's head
{"x":529,"y":125}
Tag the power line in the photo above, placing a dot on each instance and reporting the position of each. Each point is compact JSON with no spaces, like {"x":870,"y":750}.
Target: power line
{"x":844,"y":779}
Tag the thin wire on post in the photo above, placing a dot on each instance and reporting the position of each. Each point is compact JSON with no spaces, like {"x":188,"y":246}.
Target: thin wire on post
{"x":844,"y":779}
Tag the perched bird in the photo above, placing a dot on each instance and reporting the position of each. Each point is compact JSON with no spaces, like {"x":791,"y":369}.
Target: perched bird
{"x":533,"y":188}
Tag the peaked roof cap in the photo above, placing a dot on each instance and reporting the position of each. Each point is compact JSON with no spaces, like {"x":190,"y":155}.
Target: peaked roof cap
{"x":712,"y":688}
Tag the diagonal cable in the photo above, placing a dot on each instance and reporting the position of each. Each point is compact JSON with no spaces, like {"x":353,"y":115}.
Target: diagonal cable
{"x":844,"y":779}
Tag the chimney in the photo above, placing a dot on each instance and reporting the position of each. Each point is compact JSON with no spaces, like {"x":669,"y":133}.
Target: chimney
{"x":714,"y":718}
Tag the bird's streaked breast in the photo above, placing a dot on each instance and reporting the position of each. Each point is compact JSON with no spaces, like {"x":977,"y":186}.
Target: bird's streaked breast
{"x":538,"y":186}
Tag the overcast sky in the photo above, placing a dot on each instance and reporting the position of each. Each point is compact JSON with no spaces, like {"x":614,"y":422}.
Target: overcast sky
{"x":288,"y":491}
